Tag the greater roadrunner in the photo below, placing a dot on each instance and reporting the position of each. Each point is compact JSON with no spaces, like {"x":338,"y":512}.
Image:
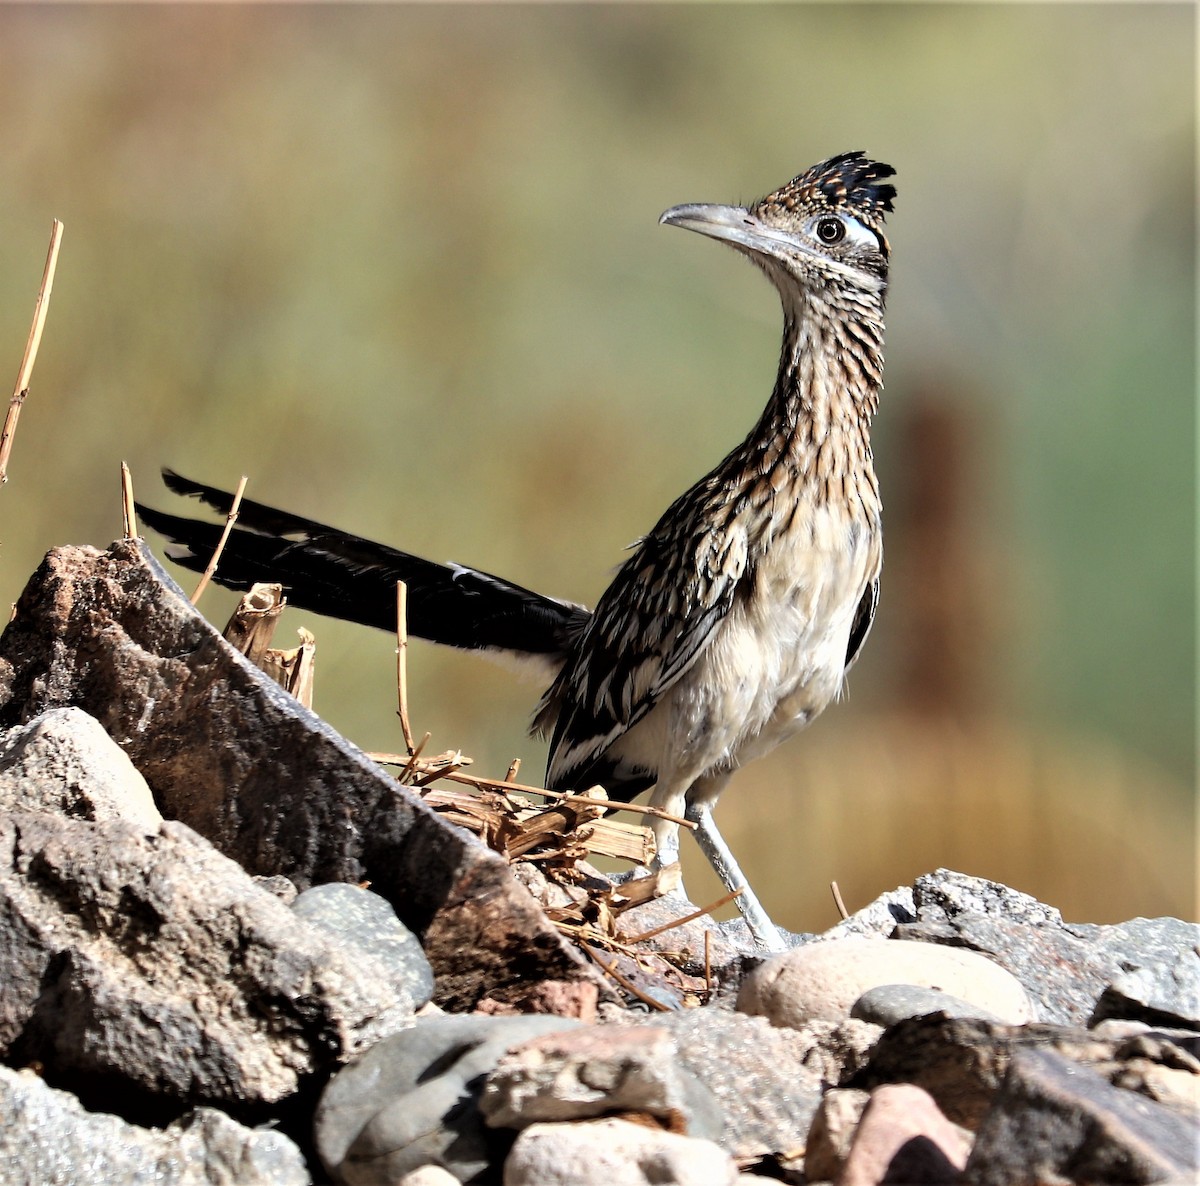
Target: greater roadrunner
{"x":734,"y":621}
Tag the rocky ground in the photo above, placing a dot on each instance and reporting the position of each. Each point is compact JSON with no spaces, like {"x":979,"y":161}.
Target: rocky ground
{"x":196,"y":987}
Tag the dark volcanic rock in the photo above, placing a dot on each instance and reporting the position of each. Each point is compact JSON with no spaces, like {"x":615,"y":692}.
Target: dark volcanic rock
{"x":1054,"y":1120}
{"x":46,"y":1137}
{"x":231,"y":754}
{"x":413,"y":1100}
{"x":961,"y":1061}
{"x":146,"y":964}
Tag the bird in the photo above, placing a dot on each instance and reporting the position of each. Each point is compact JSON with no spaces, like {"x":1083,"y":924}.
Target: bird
{"x":734,"y":620}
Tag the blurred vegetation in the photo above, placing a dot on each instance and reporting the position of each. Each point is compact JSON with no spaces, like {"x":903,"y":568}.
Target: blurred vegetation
{"x":401,"y":266}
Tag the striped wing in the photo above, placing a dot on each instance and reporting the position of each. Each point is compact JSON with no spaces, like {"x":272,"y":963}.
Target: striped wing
{"x":649,"y":627}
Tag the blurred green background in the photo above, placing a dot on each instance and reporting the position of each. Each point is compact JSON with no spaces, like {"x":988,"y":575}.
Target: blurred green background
{"x":401,"y":266}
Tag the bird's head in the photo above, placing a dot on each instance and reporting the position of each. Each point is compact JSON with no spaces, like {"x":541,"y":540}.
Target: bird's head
{"x":823,"y":230}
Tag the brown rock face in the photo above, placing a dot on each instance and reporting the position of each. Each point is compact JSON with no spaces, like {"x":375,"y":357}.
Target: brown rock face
{"x":227,"y":752}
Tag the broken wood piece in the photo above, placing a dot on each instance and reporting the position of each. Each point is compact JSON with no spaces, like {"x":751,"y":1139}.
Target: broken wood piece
{"x":293,"y":670}
{"x":252,"y":625}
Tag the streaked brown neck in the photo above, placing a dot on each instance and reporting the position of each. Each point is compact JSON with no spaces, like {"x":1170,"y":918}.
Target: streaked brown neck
{"x":815,"y":430}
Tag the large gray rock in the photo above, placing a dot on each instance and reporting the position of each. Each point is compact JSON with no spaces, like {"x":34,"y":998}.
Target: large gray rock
{"x":413,"y":1100}
{"x":48,"y":1138}
{"x":64,"y":762}
{"x":1160,"y":983}
{"x":149,"y":964}
{"x":232,"y":755}
{"x":1066,"y":968}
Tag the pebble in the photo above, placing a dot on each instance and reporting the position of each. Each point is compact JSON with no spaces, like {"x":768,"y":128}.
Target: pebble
{"x":364,"y":921}
{"x":615,"y":1153}
{"x":888,"y":1003}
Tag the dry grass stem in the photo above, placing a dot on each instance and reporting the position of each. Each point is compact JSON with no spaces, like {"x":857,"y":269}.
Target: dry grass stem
{"x":514,"y":768}
{"x":628,"y":986}
{"x":678,"y":922}
{"x":837,"y":900}
{"x":402,"y":663}
{"x":506,"y":784}
{"x":128,"y":512}
{"x":230,"y":519}
{"x":414,"y":758}
{"x":25,"y":374}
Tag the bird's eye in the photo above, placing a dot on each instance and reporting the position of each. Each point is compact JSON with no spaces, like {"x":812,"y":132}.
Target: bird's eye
{"x":831,"y":230}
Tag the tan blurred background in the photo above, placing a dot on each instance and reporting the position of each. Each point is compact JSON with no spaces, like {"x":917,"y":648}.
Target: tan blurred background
{"x":401,"y":266}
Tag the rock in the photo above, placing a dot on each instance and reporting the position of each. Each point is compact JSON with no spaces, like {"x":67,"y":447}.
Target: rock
{"x":789,"y":1070}
{"x":1054,"y":1120}
{"x":148,"y":965}
{"x":832,"y":1131}
{"x":365,"y":923}
{"x":1164,"y":992}
{"x":596,"y":1071}
{"x":823,"y":980}
{"x":576,"y":999}
{"x":614,"y":1153}
{"x":943,"y":895}
{"x":903,"y":1137}
{"x":412,"y":1100}
{"x":888,"y":1003}
{"x":64,"y":762}
{"x":1065,"y":968}
{"x":962,"y":1062}
{"x":686,"y":942}
{"x":280,"y":887}
{"x":429,"y":1175}
{"x":46,"y":1136}
{"x":228,"y":752}
{"x":877,"y":920}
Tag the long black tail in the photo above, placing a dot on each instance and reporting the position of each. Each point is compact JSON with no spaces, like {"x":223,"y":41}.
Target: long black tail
{"x":331,"y":572}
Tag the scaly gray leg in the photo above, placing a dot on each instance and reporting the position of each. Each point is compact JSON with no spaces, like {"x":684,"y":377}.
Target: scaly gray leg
{"x":713,"y":845}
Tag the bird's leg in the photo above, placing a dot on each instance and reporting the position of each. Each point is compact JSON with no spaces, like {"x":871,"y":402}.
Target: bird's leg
{"x":712,"y":844}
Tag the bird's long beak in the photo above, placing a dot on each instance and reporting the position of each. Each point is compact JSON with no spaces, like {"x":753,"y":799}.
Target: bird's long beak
{"x":734,"y":225}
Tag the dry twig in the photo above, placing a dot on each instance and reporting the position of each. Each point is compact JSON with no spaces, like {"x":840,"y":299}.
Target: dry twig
{"x":230,"y":519}
{"x":837,"y":899}
{"x":21,"y":390}
{"x":402,"y":664}
{"x":627,"y":985}
{"x":128,"y":512}
{"x":678,"y":922}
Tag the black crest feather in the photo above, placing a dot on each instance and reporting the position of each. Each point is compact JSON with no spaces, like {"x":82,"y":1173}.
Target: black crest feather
{"x":849,"y":179}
